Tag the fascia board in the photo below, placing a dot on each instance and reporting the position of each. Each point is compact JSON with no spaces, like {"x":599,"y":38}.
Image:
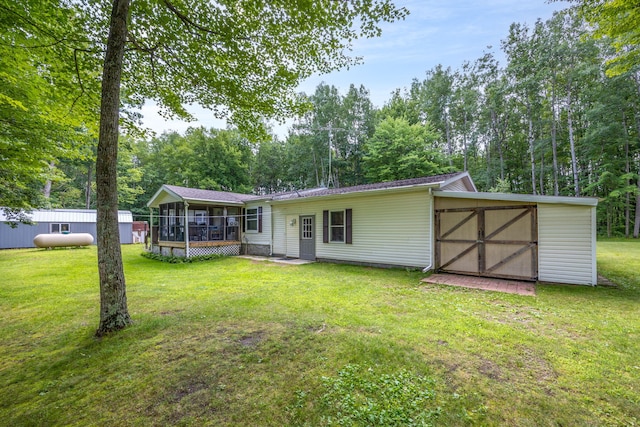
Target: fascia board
{"x":511,"y":197}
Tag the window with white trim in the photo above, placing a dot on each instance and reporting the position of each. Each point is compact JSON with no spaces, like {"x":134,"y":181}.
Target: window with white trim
{"x":336,"y":226}
{"x":252,"y":219}
{"x":59,"y":228}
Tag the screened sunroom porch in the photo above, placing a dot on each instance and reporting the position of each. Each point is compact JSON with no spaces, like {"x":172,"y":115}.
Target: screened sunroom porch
{"x":191,"y":222}
{"x":191,"y":230}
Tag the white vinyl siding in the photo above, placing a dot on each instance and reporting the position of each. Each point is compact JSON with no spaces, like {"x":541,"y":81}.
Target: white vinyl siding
{"x":253,"y":237}
{"x":293,"y":236}
{"x":278,"y":221}
{"x":566,"y":248}
{"x":390,"y":229}
{"x":457,"y":185}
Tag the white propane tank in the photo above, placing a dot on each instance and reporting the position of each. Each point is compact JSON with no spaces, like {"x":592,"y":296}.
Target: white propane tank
{"x":60,"y":240}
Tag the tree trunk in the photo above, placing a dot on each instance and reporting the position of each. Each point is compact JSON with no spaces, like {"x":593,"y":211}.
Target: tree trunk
{"x":464,"y":143}
{"x":554,"y":143}
{"x":532,"y":151}
{"x":87,"y":189}
{"x":636,"y":225}
{"x":47,"y":185}
{"x":449,"y":143}
{"x":627,"y":169}
{"x":114,"y":314}
{"x":541,"y":175}
{"x":499,"y":139}
{"x":572,"y":146}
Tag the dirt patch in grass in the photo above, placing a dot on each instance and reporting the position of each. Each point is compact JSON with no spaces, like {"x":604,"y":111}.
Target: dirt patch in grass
{"x":537,"y":366}
{"x":170,"y":312}
{"x":252,"y":339}
{"x":189,"y":387}
{"x":490,"y":369}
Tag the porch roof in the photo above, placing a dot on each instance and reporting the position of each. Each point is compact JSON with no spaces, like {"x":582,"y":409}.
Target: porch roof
{"x":173,"y":193}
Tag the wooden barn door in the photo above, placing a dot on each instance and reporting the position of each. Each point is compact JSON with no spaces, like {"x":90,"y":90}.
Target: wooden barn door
{"x":490,"y":241}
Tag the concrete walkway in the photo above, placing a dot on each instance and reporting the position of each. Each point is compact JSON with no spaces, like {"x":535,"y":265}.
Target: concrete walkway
{"x":279,"y":260}
{"x":484,"y":283}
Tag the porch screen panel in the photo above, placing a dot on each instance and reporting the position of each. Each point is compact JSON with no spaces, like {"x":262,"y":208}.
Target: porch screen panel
{"x":233,"y":224}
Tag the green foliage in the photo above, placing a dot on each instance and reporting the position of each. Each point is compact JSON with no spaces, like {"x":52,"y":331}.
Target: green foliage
{"x":619,"y":21}
{"x":43,"y":116}
{"x":398,"y":150}
{"x":503,"y":186}
{"x":359,"y":396}
{"x":247,"y":57}
{"x":269,"y":171}
{"x":181,"y":260}
{"x":337,"y":126}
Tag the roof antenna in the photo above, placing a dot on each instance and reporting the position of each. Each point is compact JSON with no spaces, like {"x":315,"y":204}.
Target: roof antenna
{"x":330,"y":128}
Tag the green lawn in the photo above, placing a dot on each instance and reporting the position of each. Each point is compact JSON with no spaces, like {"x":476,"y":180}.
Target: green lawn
{"x":239,"y":342}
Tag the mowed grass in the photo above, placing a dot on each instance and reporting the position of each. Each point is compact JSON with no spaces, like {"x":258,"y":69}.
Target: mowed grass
{"x":240,"y":342}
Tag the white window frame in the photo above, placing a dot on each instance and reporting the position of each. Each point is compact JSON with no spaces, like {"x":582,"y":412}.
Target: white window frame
{"x":251,"y":220}
{"x":61,"y":227}
{"x":342,"y":226}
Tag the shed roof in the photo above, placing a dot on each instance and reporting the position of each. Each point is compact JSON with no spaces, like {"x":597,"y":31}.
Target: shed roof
{"x":511,"y":197}
{"x":70,"y":216}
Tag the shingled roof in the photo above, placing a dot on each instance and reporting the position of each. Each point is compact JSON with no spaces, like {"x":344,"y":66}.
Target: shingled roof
{"x":317,"y":192}
{"x":209,"y":195}
{"x":195,"y":194}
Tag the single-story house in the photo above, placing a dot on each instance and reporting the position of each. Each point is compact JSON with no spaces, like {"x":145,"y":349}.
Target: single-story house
{"x":439,"y":222}
{"x":59,"y":221}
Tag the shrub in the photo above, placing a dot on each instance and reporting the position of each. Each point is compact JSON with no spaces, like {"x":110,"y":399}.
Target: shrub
{"x":181,"y":260}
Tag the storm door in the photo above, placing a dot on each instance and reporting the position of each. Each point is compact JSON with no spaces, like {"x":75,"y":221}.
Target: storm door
{"x":307,"y":237}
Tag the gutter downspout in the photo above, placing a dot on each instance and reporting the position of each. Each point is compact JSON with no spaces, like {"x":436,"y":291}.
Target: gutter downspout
{"x":431,"y":218}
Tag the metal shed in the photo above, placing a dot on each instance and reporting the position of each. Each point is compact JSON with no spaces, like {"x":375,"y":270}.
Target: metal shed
{"x":544,"y":238}
{"x":56,"y":221}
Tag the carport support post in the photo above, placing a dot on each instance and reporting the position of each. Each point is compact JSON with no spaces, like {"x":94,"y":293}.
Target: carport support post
{"x":150,"y":229}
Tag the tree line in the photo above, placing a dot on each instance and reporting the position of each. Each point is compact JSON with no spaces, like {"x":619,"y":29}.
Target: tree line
{"x":550,"y":121}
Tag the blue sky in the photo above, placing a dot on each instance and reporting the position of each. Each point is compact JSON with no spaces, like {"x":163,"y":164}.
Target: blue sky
{"x":435,"y":32}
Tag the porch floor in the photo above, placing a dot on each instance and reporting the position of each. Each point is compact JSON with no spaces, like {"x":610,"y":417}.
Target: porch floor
{"x":484,"y":283}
